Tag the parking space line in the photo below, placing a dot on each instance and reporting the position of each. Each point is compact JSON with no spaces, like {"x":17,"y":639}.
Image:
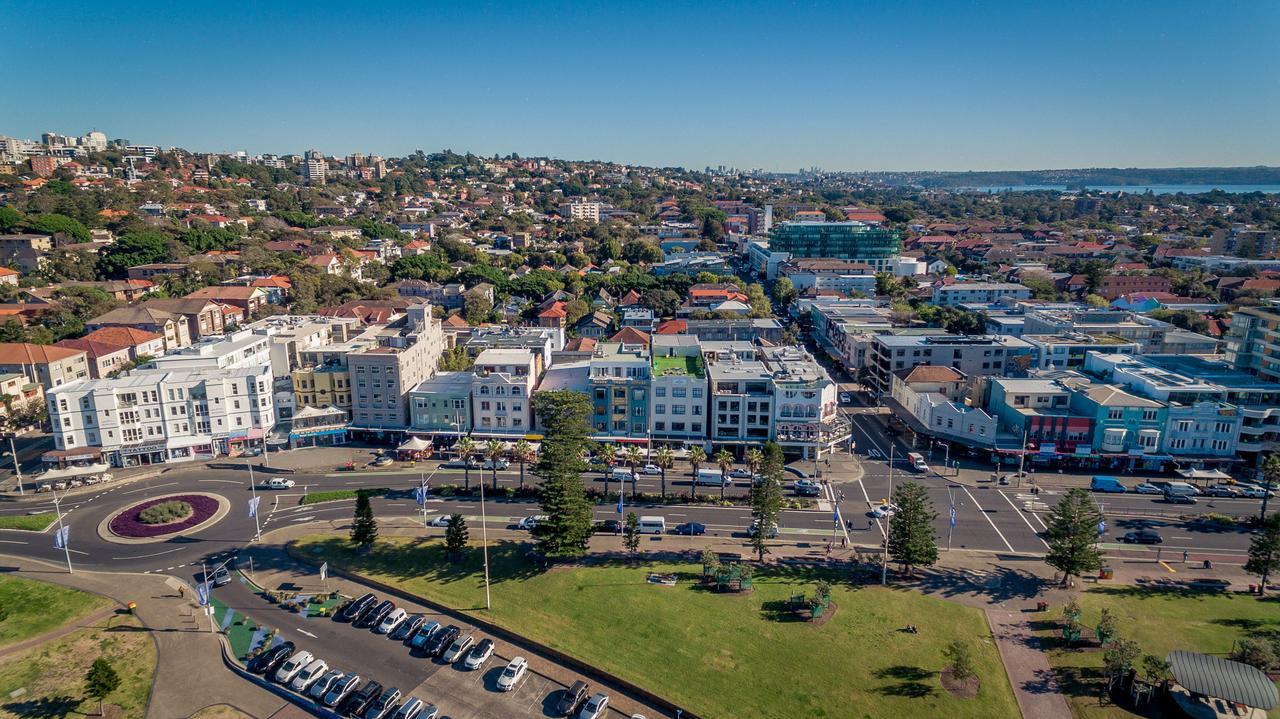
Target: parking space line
{"x":1024,"y":518}
{"x":986,"y":516}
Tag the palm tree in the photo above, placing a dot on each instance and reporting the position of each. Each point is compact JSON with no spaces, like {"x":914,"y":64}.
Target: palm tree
{"x":523,"y":452}
{"x":755,"y":460}
{"x":696,"y":457}
{"x":724,"y":458}
{"x":608,"y":454}
{"x":664,"y":458}
{"x":466,"y":449}
{"x":634,"y":457}
{"x":493,"y":450}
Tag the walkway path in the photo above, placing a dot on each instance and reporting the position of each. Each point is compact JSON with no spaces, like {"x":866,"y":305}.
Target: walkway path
{"x":72,"y":626}
{"x":1027,"y":666}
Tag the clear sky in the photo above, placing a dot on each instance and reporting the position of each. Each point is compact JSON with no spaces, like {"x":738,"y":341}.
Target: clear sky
{"x":995,"y":84}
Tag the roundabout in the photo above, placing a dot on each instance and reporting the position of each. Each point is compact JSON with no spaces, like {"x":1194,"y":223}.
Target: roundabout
{"x":188,"y":512}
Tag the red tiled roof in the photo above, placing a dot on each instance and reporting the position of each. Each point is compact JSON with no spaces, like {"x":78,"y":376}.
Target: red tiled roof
{"x":630,"y":336}
{"x":128,"y":336}
{"x":672,"y":327}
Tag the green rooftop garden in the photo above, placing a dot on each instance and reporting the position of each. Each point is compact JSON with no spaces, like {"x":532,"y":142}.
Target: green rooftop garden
{"x":691,"y":366}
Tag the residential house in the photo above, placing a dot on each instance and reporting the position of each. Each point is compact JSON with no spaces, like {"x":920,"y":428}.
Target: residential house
{"x":49,"y":366}
{"x":169,"y":325}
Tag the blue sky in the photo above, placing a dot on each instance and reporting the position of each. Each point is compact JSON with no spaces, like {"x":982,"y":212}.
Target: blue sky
{"x":999,"y":84}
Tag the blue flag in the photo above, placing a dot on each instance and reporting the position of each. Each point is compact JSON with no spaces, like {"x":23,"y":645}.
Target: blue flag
{"x":253,"y":506}
{"x":835,"y":516}
{"x":60,"y":537}
{"x":953,"y":516}
{"x":1102,"y":527}
{"x":202,"y":593}
{"x":420,"y":495}
{"x":619,"y":502}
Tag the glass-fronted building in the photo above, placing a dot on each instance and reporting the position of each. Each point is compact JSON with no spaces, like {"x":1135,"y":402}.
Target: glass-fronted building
{"x":875,"y":246}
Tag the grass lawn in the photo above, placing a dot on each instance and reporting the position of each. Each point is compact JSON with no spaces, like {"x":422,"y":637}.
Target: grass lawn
{"x":31,"y":522}
{"x":50,"y":677}
{"x":1160,"y":621}
{"x":717,"y":655}
{"x":38,"y":607}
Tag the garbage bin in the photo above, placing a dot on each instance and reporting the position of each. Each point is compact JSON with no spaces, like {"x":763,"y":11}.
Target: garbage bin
{"x":1106,"y":573}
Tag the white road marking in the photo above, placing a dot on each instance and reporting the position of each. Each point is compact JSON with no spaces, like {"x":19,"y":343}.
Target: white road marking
{"x":157,"y":554}
{"x":1024,"y":518}
{"x":308,"y":633}
{"x":987,"y":517}
{"x":307,"y":518}
{"x":11,"y":541}
{"x":147,"y":489}
{"x":868,"y":499}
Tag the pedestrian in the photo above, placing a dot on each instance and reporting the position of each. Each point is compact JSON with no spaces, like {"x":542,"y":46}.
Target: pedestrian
{"x":1185,"y":556}
{"x":844,"y":542}
{"x":842,"y":495}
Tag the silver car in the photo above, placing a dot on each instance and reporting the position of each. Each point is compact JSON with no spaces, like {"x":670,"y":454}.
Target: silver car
{"x":324,"y":684}
{"x":458,"y":648}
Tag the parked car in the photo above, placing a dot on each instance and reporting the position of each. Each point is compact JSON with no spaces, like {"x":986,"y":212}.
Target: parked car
{"x":478,"y":655}
{"x":359,"y":700}
{"x":391,"y":621}
{"x":461,"y":464}
{"x":408,"y":627}
{"x":571,"y":698}
{"x":1173,"y":498}
{"x":513,"y":674}
{"x":325,"y":683}
{"x":340,"y":690}
{"x":309,"y":675}
{"x":356,"y":608}
{"x":292,"y":666}
{"x":609,"y":526}
{"x":691,"y":529}
{"x":415,"y":708}
{"x":530,"y":522}
{"x":651,"y":470}
{"x":846,"y":398}
{"x":382,"y":707}
{"x":458,"y":648}
{"x":441,"y":640}
{"x":1251,"y":492}
{"x":740,"y":472}
{"x":595,"y":707}
{"x":1142,"y":536}
{"x":383,"y":461}
{"x":1106,"y":484}
{"x":252,"y":452}
{"x":440,"y":521}
{"x":500,"y":464}
{"x":280,"y":483}
{"x":376,"y":615}
{"x":423,"y":635}
{"x":1147,"y":488}
{"x":755,"y":527}
{"x":1222,"y":490}
{"x":271,"y":659}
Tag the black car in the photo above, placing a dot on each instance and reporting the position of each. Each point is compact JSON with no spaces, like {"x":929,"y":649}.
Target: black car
{"x":691,"y":529}
{"x":1142,"y":536}
{"x":408,"y":627}
{"x":375,"y":616}
{"x":271,"y":659}
{"x":572,"y":698}
{"x":441,"y":640}
{"x":356,"y":608}
{"x":609,"y":526}
{"x":383,"y":706}
{"x":358,"y":701}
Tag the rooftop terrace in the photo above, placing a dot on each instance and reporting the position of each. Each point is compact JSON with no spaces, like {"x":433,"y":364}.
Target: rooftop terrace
{"x":689,"y":366}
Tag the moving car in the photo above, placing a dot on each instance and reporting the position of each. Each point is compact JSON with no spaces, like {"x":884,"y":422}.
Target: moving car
{"x":478,"y":655}
{"x":652,"y":525}
{"x":1222,"y":490}
{"x":846,"y":398}
{"x":712,"y":477}
{"x":309,"y":675}
{"x":325,"y":683}
{"x":500,"y":465}
{"x":376,"y":615}
{"x":1173,"y":498}
{"x":415,"y":708}
{"x":1106,"y":484}
{"x":755,"y":527}
{"x":292,"y":666}
{"x":356,"y":608}
{"x":916,"y":460}
{"x":1252,"y":492}
{"x":381,"y":707}
{"x":280,"y":483}
{"x":651,"y":469}
{"x":359,"y":700}
{"x":595,"y":707}
{"x":531,"y":522}
{"x":391,"y":621}
{"x":440,"y":521}
{"x":408,"y":627}
{"x":513,"y":674}
{"x":271,"y":659}
{"x":621,"y":474}
{"x":1147,"y":488}
{"x":220,"y":576}
{"x":571,"y":698}
{"x":458,"y":648}
{"x":691,"y":529}
{"x":880,"y":511}
{"x":340,"y":690}
{"x":740,"y":472}
{"x":461,"y":464}
{"x":1142,"y":536}
{"x":441,"y":640}
{"x":423,"y":635}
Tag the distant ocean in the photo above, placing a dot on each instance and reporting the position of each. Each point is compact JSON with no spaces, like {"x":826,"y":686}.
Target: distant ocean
{"x":1141,"y":189}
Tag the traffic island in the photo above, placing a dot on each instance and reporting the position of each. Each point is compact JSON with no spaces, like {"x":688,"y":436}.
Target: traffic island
{"x":144,"y":522}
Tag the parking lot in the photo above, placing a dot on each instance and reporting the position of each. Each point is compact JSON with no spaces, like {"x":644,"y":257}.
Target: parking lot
{"x":460,"y":694}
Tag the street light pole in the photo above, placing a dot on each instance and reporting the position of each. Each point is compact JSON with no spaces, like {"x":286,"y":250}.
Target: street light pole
{"x":17,"y":468}
{"x":257,"y":526}
{"x":888,"y":520}
{"x":66,"y":538}
{"x":951,"y":514}
{"x":1022,"y":458}
{"x":484,"y":544}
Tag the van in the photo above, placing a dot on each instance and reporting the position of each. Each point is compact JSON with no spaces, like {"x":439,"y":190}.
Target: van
{"x":917,"y":462}
{"x":712,"y":477}
{"x":652,"y":525}
{"x":1106,"y":484}
{"x":621,"y":474}
{"x":1180,"y":488}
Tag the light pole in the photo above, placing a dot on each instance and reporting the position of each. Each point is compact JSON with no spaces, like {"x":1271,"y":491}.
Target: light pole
{"x":17,"y":468}
{"x":257,"y":527}
{"x":951,"y":515}
{"x":888,"y":520}
{"x":484,"y":545}
{"x":62,"y":531}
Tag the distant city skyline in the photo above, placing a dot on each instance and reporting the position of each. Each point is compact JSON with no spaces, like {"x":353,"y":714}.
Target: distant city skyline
{"x":995,"y":85}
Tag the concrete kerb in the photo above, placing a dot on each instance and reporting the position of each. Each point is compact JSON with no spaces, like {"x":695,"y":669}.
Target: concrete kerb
{"x":105,"y":533}
{"x":270,"y":686}
{"x":594,"y":673}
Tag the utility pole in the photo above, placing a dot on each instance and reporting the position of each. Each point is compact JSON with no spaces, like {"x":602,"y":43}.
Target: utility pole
{"x":17,"y":468}
{"x":888,"y":520}
{"x":1022,"y":458}
{"x":66,"y":536}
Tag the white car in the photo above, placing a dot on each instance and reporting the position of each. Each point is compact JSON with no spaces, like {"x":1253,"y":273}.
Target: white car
{"x":651,"y":469}
{"x":595,"y":707}
{"x":292,"y":666}
{"x":391,"y":621}
{"x":500,"y":464}
{"x":280,"y":483}
{"x":1251,"y":492}
{"x":383,"y":461}
{"x":440,"y":521}
{"x":324,"y":684}
{"x":309,"y":675}
{"x":479,"y":654}
{"x":846,"y":398}
{"x":458,"y":648}
{"x":532,"y":521}
{"x":1147,"y":488}
{"x":513,"y":674}
{"x":880,"y":511}
{"x":415,"y":708}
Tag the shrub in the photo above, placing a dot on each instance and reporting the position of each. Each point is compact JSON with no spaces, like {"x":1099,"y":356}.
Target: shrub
{"x":165,"y":512}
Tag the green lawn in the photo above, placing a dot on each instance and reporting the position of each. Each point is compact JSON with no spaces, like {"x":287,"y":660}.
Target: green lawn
{"x":37,"y":607}
{"x":32,"y":522}
{"x":337,"y":495}
{"x":720,"y":656}
{"x":48,"y":680}
{"x":1160,"y":621}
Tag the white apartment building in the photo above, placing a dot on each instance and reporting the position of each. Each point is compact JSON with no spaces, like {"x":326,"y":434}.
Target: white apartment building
{"x":243,"y":348}
{"x":158,"y":416}
{"x":741,"y":394}
{"x":589,"y":211}
{"x":382,"y":375}
{"x":502,"y":393}
{"x":805,"y":410}
{"x":962,"y":293}
{"x":314,"y":170}
{"x":679,"y":387}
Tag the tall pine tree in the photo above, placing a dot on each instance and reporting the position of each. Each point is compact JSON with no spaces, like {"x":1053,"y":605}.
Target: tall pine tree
{"x":766,"y":497}
{"x":1264,"y":551}
{"x":364,"y":530}
{"x":912,"y":542}
{"x":565,"y":417}
{"x":1073,"y":535}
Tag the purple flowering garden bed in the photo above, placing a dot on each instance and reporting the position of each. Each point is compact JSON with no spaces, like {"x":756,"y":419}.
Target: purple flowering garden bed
{"x":127,"y":524}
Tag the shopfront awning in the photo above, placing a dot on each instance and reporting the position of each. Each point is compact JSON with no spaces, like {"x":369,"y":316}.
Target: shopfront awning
{"x":69,"y":472}
{"x":1203,"y":474}
{"x":1224,"y":679}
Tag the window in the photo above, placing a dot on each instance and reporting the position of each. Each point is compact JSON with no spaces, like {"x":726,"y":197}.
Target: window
{"x":697,"y":393}
{"x":659,"y":391}
{"x":1115,"y":414}
{"x":678,"y":392}
{"x":484,"y":406}
{"x":661,"y":426}
{"x":677,"y":409}
{"x":660,"y":409}
{"x":1148,"y":415}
